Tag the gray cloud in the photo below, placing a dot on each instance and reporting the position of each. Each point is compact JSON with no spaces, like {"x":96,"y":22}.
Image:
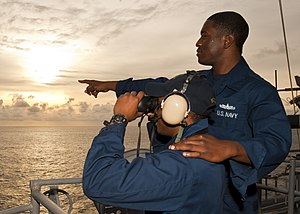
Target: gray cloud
{"x":267,"y":52}
{"x":21,"y":109}
{"x":19,"y":101}
{"x":29,"y":22}
{"x":35,"y":108}
{"x":67,"y":21}
{"x":105,"y":108}
{"x":83,"y":107}
{"x":70,"y":100}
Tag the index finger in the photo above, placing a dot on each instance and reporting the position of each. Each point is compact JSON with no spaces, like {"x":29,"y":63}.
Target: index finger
{"x":85,"y":81}
{"x":140,"y":95}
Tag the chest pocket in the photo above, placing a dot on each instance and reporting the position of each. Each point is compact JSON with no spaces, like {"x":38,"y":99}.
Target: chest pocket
{"x":231,"y":117}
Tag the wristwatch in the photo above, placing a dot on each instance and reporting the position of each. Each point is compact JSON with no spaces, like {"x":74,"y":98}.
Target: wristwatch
{"x":119,"y":118}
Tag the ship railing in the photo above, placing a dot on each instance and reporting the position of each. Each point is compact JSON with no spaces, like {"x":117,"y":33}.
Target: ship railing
{"x":37,"y":197}
{"x":285,"y":187}
{"x":51,"y":202}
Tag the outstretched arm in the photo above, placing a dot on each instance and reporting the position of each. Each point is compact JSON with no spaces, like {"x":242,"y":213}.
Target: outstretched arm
{"x":120,"y":87}
{"x":95,"y":86}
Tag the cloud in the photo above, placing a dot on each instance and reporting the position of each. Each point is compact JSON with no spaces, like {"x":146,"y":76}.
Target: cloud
{"x":21,"y":109}
{"x":31,"y":23}
{"x":67,"y":21}
{"x":267,"y":52}
{"x":35,"y":108}
{"x":19,"y":101}
{"x":83,"y":107}
{"x":122,"y":19}
{"x":104,"y":109}
{"x":87,"y":23}
{"x":70,"y":100}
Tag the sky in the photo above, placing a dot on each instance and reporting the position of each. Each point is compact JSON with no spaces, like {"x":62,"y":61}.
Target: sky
{"x":46,"y":46}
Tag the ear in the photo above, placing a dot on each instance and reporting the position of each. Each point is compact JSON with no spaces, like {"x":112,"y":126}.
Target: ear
{"x":228,"y":41}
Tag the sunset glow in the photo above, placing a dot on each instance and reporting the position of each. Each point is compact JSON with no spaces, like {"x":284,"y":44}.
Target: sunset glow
{"x":44,"y":63}
{"x":47,"y":46}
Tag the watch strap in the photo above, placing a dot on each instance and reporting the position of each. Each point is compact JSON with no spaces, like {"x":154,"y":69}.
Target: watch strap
{"x":117,"y":118}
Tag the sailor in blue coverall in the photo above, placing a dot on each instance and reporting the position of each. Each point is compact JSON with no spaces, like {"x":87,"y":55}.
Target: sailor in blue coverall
{"x":165,"y":181}
{"x":250,"y":111}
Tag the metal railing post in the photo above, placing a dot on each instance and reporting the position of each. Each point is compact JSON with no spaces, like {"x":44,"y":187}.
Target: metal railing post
{"x":35,"y":204}
{"x":53,"y":195}
{"x":291,"y":193}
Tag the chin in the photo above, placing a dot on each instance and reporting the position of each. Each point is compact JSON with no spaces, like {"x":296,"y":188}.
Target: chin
{"x":163,"y":132}
{"x":204,"y":63}
{"x":159,"y":131}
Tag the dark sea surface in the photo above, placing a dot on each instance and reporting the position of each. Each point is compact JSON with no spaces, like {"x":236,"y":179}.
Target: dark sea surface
{"x":30,"y":153}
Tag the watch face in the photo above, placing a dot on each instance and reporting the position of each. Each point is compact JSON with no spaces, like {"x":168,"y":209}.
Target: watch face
{"x":119,"y":118}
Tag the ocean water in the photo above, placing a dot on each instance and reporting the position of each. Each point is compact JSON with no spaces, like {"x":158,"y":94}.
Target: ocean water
{"x":30,"y":153}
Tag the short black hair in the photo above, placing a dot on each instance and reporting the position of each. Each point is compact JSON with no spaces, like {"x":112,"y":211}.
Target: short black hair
{"x":232,"y":23}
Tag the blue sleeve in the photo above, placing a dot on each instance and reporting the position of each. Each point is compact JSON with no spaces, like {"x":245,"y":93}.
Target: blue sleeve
{"x":139,"y":85}
{"x":135,"y":85}
{"x":271,"y":140}
{"x":145,"y":183}
{"x":159,"y":182}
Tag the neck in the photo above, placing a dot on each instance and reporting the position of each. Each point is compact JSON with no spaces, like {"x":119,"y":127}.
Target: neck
{"x":226,"y":64}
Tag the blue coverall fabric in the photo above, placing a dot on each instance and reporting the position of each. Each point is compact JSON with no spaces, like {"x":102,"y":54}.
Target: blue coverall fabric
{"x":164,"y":181}
{"x":249,"y":110}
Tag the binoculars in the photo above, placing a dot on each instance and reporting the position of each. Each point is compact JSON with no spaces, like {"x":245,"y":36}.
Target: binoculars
{"x":148,"y":104}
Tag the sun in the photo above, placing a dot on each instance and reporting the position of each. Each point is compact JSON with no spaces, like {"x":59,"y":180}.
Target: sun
{"x":44,"y":63}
